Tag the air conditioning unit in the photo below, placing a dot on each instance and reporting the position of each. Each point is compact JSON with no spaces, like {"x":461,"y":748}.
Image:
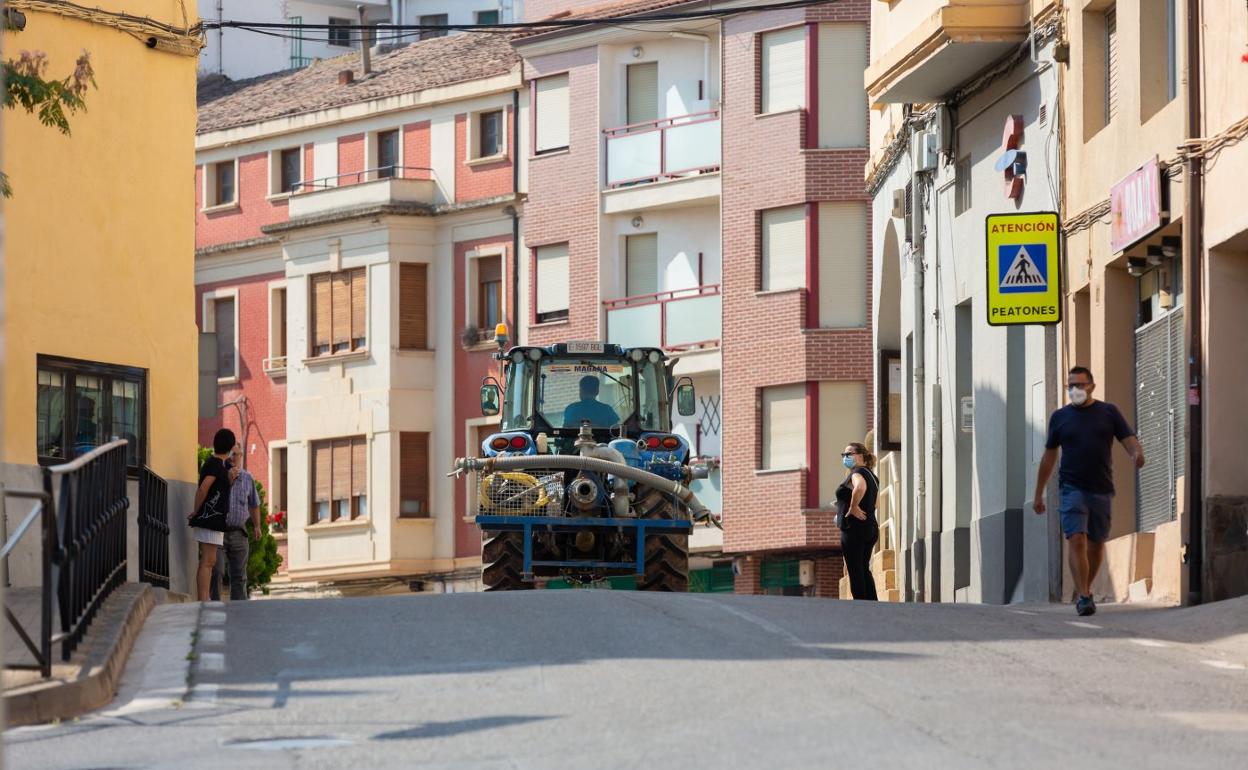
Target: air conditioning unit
{"x":924,"y":151}
{"x":899,"y":203}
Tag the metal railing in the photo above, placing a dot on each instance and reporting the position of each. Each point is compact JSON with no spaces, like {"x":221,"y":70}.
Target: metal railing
{"x":365,"y":175}
{"x":153,"y":528}
{"x":662,"y":149}
{"x":672,"y":320}
{"x":82,"y":514}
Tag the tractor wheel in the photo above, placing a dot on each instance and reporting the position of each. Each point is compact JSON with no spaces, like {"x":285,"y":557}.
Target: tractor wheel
{"x":502,"y":560}
{"x":667,"y":555}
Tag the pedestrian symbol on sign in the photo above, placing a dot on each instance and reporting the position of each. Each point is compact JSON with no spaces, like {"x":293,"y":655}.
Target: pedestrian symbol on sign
{"x":1023,"y":268}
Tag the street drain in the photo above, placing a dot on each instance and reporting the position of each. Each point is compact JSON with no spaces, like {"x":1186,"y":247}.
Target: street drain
{"x":294,"y":743}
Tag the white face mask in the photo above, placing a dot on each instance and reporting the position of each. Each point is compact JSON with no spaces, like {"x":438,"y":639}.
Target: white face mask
{"x":1078,"y":396}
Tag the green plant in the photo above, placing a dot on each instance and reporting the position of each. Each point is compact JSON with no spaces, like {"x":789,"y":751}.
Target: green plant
{"x":53,"y":101}
{"x":262,"y":557}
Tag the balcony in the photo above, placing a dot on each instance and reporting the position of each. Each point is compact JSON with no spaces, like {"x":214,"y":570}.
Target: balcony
{"x":665,"y":150}
{"x":936,"y":52}
{"x":684,"y":319}
{"x":358,"y":189}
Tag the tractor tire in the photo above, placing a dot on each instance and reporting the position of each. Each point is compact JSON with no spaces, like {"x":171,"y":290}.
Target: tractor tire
{"x":502,"y":560}
{"x":667,"y":555}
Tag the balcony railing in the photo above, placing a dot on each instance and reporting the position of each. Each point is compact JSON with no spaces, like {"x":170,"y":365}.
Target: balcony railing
{"x":364,"y":175}
{"x":673,"y":320}
{"x":662,"y":149}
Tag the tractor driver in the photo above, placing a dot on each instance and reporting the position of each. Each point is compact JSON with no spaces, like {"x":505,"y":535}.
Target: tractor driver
{"x":589,"y":407}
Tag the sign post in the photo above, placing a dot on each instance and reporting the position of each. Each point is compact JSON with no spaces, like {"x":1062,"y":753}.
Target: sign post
{"x":1024,"y":269}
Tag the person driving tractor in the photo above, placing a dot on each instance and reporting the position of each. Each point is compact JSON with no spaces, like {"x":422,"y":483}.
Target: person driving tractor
{"x":589,"y":407}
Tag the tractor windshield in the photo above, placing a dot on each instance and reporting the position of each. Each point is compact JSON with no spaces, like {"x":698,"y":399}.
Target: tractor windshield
{"x":568,"y":390}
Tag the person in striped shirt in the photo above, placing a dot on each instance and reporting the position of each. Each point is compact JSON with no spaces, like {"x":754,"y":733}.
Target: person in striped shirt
{"x":244,"y":507}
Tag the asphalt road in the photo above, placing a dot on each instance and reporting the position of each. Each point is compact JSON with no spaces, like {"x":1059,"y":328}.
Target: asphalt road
{"x":598,"y":679}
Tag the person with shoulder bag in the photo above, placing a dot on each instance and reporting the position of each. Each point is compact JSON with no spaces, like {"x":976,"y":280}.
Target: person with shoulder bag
{"x":855,"y":516}
{"x":212,"y":504}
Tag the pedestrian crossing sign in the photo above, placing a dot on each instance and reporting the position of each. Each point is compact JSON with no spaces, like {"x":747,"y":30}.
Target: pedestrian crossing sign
{"x":1023,"y":271}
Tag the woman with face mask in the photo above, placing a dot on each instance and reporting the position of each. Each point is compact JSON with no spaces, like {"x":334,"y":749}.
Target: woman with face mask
{"x":855,"y":515}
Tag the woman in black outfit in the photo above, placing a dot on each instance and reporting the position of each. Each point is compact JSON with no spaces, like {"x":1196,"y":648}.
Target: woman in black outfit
{"x":855,"y":503}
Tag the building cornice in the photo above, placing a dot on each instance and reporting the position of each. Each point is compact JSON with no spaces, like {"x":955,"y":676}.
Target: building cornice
{"x":407,"y":209}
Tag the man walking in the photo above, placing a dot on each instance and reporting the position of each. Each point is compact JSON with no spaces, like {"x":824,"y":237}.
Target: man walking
{"x":244,"y":503}
{"x":1085,"y":430}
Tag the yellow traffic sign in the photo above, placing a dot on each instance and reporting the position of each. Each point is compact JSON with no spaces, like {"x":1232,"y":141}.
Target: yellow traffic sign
{"x":1024,"y":269}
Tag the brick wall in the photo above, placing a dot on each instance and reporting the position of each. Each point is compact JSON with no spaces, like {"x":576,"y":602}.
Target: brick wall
{"x":417,"y":151}
{"x":563,"y":197}
{"x":350,"y":157}
{"x":484,"y":180}
{"x":253,"y":211}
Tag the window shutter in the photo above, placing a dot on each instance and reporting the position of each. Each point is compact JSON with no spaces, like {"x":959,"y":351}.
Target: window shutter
{"x":321,"y":314}
{"x":552,"y":278}
{"x":340,"y":313}
{"x":413,"y":306}
{"x":1111,"y":64}
{"x":341,"y":478}
{"x":643,"y":92}
{"x":843,"y":265}
{"x":641,"y":260}
{"x":322,"y":471}
{"x":359,"y":306}
{"x":784,"y":426}
{"x":223,"y":310}
{"x":784,"y":248}
{"x":489,"y":269}
{"x":842,"y":97}
{"x":414,"y":475}
{"x":784,"y":70}
{"x":359,"y":466}
{"x":551,"y":114}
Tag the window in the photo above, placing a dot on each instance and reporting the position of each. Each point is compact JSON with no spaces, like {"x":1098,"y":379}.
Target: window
{"x":843,"y":259}
{"x":783,"y":76}
{"x":413,"y":306}
{"x":1159,"y":75}
{"x":290,"y":170}
{"x":387,"y":153}
{"x":434,"y":20}
{"x":219,"y":184}
{"x":277,"y":327}
{"x":339,"y":34}
{"x":339,"y":311}
{"x":1111,"y":64}
{"x":784,"y":248}
{"x":489,"y":293}
{"x":550,"y":114}
{"x":80,"y":405}
{"x":223,"y":318}
{"x":842,"y":418}
{"x":279,"y":475}
{"x":339,"y":479}
{"x":784,"y":427}
{"x":641,"y":264}
{"x":643,"y":93}
{"x":552,"y":282}
{"x":413,"y":475}
{"x":962,"y":186}
{"x":490,"y":127}
{"x":487,"y":17}
{"x":842,"y":96}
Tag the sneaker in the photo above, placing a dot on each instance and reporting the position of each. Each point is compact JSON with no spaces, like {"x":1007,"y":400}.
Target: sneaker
{"x":1085,"y":606}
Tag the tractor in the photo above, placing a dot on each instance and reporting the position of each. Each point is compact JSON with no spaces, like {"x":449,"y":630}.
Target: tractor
{"x":584,"y":478}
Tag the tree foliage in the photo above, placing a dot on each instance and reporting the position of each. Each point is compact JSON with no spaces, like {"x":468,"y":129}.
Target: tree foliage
{"x":52,"y":101}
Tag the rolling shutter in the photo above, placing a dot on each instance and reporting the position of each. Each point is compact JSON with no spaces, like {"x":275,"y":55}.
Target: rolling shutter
{"x":322,"y":464}
{"x":1160,"y":417}
{"x":414,"y":475}
{"x":842,"y":97}
{"x":641,"y":260}
{"x":1111,"y":64}
{"x":359,"y":306}
{"x":321,"y":313}
{"x":784,"y":70}
{"x":551,"y":113}
{"x":359,"y":466}
{"x":552,"y":278}
{"x":643,"y":93}
{"x":340,"y":479}
{"x":843,"y":265}
{"x":413,"y":306}
{"x":784,"y":248}
{"x":340,"y":310}
{"x":784,"y":427}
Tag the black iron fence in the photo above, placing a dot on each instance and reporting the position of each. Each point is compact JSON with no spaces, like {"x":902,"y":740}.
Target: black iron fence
{"x":153,"y":529}
{"x":81,"y":512}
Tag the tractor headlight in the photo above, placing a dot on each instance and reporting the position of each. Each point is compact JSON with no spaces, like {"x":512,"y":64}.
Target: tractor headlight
{"x":637,"y":354}
{"x":517,"y":357}
{"x":654,"y":356}
{"x":535,"y":353}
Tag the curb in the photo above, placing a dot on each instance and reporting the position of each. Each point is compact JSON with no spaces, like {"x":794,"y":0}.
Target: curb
{"x":116,"y":628}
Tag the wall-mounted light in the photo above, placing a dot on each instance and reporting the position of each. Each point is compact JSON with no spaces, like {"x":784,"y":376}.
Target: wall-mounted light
{"x":1137,"y":266}
{"x":1155,"y":255}
{"x":638,"y":51}
{"x":638,"y":221}
{"x":1170,"y":245}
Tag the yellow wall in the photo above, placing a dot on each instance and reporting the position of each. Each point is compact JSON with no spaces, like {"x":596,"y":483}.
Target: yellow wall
{"x":101,"y":228}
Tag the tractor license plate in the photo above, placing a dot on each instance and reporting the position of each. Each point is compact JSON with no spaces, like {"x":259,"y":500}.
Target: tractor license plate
{"x":585,"y":347}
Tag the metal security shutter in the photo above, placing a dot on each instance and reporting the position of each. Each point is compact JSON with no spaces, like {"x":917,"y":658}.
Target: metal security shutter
{"x":1160,"y":411}
{"x":780,"y":574}
{"x":551,"y":113}
{"x":1111,"y":64}
{"x":784,"y":248}
{"x":842,"y":97}
{"x":843,"y":265}
{"x":641,"y":260}
{"x":784,"y":427}
{"x":643,"y":93}
{"x":413,"y":306}
{"x":784,"y":70}
{"x":552,"y":279}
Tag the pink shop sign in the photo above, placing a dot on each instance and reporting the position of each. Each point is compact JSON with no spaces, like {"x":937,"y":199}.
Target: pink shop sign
{"x":1135,"y":206}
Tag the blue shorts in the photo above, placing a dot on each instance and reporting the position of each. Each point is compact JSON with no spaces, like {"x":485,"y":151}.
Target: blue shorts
{"x":1085,"y":512}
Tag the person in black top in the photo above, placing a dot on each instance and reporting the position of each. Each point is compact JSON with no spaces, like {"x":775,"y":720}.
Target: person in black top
{"x":1085,"y":430}
{"x":855,"y":505}
{"x":212,"y":505}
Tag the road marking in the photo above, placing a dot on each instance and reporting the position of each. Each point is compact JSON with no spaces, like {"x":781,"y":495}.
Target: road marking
{"x":1081,"y":624}
{"x":204,"y":694}
{"x":212,"y":661}
{"x":214,"y":636}
{"x":1225,"y":665}
{"x":766,"y":625}
{"x":213,"y":618}
{"x":1022,"y":612}
{"x":1149,"y":643}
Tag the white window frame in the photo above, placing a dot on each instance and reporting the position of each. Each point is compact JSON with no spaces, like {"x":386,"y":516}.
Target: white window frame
{"x":764,"y":107}
{"x":270,"y":367}
{"x":209,"y":316}
{"x":536,"y":109}
{"x":470,"y":134}
{"x":208,"y":194}
{"x":275,"y":170}
{"x":765,"y":250}
{"x":329,"y":36}
{"x":537,"y":288}
{"x":764,"y":452}
{"x":371,"y":152}
{"x":476,"y":15}
{"x":471,"y":260}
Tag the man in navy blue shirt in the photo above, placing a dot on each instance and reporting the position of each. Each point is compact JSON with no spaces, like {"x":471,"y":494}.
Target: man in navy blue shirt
{"x":1085,"y":430}
{"x":600,"y":415}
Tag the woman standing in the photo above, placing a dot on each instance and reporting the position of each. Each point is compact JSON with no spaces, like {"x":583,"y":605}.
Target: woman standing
{"x":855,"y":506}
{"x":212,"y":505}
